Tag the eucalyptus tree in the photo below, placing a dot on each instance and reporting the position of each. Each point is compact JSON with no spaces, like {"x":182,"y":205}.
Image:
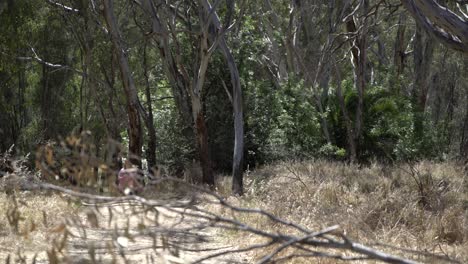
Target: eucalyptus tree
{"x":187,"y":91}
{"x":186,"y":64}
{"x":131,"y":95}
{"x":218,"y":40}
{"x":307,"y":48}
{"x":13,"y":80}
{"x":450,"y":28}
{"x":299,"y":49}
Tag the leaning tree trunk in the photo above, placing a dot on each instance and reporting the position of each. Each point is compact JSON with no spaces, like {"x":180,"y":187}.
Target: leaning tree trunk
{"x":135,"y":130}
{"x":442,"y":23}
{"x":237,"y":177}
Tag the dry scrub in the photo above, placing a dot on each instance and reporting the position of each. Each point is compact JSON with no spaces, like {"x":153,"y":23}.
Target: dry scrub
{"x":30,"y":222}
{"x":421,"y":207}
{"x":417,"y":211}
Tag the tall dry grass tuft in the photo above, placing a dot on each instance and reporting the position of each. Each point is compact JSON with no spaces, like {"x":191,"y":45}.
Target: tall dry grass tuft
{"x":420,"y":207}
{"x":28,"y":222}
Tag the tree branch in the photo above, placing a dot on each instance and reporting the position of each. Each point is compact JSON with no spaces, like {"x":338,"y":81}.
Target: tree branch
{"x":442,"y":23}
{"x":64,"y":7}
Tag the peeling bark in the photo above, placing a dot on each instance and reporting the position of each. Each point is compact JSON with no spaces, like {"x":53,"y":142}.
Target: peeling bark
{"x":442,"y":23}
{"x":201,"y":131}
{"x":359,"y":61}
{"x":400,"y":46}
{"x":423,"y":55}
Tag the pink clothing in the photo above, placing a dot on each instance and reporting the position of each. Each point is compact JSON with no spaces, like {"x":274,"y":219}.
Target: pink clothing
{"x":128,"y":181}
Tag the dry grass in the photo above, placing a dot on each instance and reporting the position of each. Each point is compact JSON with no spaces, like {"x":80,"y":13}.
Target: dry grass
{"x":29,"y":222}
{"x":423,"y":207}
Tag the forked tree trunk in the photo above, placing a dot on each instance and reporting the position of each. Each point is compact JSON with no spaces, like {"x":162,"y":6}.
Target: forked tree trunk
{"x":187,"y":93}
{"x":201,"y":131}
{"x":238,"y":156}
{"x":359,"y":61}
{"x":132,"y":103}
{"x":177,"y":78}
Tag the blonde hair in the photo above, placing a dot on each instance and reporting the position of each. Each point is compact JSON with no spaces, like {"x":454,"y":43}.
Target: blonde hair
{"x":127,"y":164}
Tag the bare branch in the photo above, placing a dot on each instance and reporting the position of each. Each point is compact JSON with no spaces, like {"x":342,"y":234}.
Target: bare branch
{"x":64,"y":7}
{"x":328,"y":238}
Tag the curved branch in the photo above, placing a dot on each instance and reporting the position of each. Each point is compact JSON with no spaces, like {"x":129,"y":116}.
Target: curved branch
{"x":442,"y":23}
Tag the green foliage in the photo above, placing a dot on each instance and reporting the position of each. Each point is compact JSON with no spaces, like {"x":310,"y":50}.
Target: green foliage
{"x":388,"y":119}
{"x":281,"y":116}
{"x":282,"y":123}
{"x":387,"y":122}
{"x":330,"y":151}
{"x":174,"y":145}
{"x":299,"y":121}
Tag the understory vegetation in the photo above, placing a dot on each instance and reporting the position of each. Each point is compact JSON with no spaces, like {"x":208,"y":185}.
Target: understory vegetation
{"x":418,"y":211}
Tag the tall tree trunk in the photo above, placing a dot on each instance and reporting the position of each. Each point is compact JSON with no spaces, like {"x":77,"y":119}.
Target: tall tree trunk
{"x":359,"y":60}
{"x":201,"y":131}
{"x":45,"y":101}
{"x":464,"y":128}
{"x":423,"y":55}
{"x":238,"y":156}
{"x":352,"y":151}
{"x":22,"y":83}
{"x":87,"y":46}
{"x":177,"y":78}
{"x":277,"y":63}
{"x":135,"y":130}
{"x":183,"y":88}
{"x":149,"y":119}
{"x":399,"y":51}
{"x":464,"y":138}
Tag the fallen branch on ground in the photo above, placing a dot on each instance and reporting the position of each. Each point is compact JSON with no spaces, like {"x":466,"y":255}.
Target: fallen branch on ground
{"x":327,"y":243}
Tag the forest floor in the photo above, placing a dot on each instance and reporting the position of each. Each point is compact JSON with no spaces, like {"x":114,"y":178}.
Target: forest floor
{"x":122,"y":232}
{"x":417,"y":211}
{"x":119,"y":239}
